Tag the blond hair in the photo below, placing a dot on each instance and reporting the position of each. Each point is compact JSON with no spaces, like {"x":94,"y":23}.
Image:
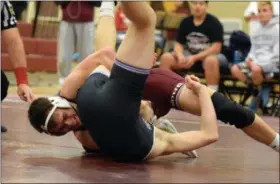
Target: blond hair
{"x":261,"y":3}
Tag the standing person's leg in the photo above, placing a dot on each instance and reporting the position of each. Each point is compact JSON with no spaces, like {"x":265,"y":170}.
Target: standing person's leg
{"x":84,"y":36}
{"x":4,"y":92}
{"x":66,"y":45}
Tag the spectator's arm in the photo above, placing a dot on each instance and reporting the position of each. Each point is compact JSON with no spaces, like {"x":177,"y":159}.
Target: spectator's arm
{"x":214,"y":49}
{"x":181,"y":36}
{"x":178,"y":48}
{"x":251,"y":11}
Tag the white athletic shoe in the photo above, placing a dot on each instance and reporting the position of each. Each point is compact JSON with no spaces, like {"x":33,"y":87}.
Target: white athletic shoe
{"x":167,"y":126}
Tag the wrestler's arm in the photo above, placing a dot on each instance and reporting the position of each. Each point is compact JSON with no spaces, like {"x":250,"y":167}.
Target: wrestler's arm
{"x":103,"y":58}
{"x":86,"y":140}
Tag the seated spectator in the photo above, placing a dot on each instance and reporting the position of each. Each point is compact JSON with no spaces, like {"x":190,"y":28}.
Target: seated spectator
{"x":263,"y":59}
{"x":251,"y":14}
{"x":198,"y":45}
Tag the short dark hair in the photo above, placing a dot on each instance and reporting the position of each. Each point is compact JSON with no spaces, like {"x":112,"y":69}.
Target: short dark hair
{"x":38,"y":112}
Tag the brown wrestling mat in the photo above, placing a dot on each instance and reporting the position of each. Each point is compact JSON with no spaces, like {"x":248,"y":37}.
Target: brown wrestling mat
{"x":28,"y":156}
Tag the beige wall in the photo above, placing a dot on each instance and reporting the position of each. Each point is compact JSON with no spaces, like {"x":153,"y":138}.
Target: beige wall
{"x":229,"y":10}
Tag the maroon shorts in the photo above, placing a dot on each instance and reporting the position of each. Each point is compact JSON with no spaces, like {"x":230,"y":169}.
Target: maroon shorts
{"x":161,"y":88}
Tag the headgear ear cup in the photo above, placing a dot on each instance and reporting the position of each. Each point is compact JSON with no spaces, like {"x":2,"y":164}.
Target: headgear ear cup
{"x":57,"y":102}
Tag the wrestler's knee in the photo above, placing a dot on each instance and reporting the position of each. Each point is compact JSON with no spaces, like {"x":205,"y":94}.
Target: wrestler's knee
{"x":231,"y":112}
{"x":107,"y":52}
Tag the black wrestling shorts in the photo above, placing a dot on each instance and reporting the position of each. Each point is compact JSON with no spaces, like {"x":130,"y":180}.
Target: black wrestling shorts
{"x":109,"y":109}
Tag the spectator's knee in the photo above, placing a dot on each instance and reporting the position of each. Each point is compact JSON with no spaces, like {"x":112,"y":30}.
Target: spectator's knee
{"x":256,"y":70}
{"x":210,"y":62}
{"x":234,"y":69}
{"x":257,"y":75}
{"x":166,"y":59}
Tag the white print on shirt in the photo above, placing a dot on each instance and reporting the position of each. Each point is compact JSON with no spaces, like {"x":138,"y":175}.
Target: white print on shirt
{"x":197,"y":42}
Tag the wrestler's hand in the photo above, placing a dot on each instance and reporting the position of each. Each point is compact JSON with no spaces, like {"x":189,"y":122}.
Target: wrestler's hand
{"x":146,"y":110}
{"x":193,"y":83}
{"x":25,"y":93}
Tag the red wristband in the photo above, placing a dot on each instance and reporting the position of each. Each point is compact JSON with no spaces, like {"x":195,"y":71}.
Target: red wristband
{"x":21,"y":75}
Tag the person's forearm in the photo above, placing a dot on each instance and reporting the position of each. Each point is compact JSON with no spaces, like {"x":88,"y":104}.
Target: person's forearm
{"x":85,"y":139}
{"x":17,"y":57}
{"x":208,"y":116}
{"x":178,"y":48}
{"x":15,"y":49}
{"x":214,"y":49}
{"x":251,"y":17}
{"x":71,"y":85}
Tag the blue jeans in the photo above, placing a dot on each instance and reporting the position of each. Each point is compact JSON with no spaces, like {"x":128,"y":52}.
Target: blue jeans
{"x":263,"y":95}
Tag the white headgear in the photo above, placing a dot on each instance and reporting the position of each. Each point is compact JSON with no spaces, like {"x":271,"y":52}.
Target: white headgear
{"x":57,"y":102}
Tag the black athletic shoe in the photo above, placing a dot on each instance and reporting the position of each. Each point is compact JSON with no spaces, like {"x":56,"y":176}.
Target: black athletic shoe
{"x":3,"y":129}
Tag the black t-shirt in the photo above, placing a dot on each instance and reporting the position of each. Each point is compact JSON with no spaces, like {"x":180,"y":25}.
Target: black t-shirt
{"x":8,"y":19}
{"x":198,"y":38}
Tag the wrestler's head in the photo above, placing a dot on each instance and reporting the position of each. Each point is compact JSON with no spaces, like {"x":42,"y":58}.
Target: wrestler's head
{"x":53,"y":115}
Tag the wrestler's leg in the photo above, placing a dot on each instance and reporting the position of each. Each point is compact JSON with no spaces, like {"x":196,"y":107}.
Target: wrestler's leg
{"x":258,"y":129}
{"x":106,"y":29}
{"x":106,"y":33}
{"x":137,"y":48}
